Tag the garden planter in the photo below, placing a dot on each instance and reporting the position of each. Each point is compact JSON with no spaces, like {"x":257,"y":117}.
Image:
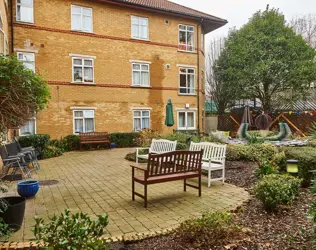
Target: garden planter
{"x":14,"y":214}
{"x":28,"y":189}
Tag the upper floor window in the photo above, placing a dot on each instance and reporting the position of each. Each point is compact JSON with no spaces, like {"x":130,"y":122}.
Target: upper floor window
{"x":186,"y":38}
{"x":141,"y":75}
{"x":28,"y":60}
{"x":187,"y":80}
{"x":81,"y":18}
{"x":24,"y":11}
{"x":140,"y":28}
{"x":83,"y":70}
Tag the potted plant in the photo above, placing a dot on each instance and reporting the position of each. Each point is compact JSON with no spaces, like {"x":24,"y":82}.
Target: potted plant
{"x":12,"y":211}
{"x":28,"y":188}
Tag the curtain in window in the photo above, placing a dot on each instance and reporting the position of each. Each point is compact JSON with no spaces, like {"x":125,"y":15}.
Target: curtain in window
{"x":136,"y":78}
{"x":190,"y":121}
{"x":89,"y":125}
{"x":146,"y":123}
{"x":76,"y":21}
{"x":87,"y":23}
{"x":88,"y":74}
{"x":191,"y":84}
{"x":137,"y":124}
{"x":145,"y":78}
{"x":181,"y":120}
{"x":78,"y":125}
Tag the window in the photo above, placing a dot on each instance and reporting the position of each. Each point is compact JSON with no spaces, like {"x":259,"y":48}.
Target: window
{"x":29,"y":128}
{"x":28,"y":60}
{"x":83,"y":70}
{"x":186,"y":120}
{"x":187,"y":80}
{"x":186,"y":37}
{"x":140,"y":28}
{"x":24,"y":11}
{"x":83,"y":121}
{"x":141,"y":75}
{"x":141,"y":119}
{"x":81,"y":18}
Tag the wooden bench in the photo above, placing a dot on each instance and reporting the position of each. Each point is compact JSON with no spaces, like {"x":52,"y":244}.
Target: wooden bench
{"x":157,"y":147}
{"x":214,"y":156}
{"x":94,"y":138}
{"x":173,"y":166}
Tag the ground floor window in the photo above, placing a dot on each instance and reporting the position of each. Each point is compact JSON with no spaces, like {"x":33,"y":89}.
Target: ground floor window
{"x":186,"y":120}
{"x":29,"y":128}
{"x":28,"y":60}
{"x":83,"y":121}
{"x":141,"y":119}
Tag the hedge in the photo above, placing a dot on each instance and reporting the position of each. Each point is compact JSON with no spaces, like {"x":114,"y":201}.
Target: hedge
{"x":39,"y":142}
{"x":306,"y":157}
{"x":252,"y":152}
{"x":124,"y":140}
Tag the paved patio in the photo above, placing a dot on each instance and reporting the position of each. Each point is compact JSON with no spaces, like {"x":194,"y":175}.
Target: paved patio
{"x":96,"y":182}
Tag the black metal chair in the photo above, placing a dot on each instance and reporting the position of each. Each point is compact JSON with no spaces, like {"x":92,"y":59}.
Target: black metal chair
{"x":28,"y":156}
{"x":14,"y":162}
{"x":29,"y":151}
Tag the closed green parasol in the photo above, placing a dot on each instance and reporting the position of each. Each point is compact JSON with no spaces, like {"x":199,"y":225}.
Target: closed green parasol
{"x":169,"y":114}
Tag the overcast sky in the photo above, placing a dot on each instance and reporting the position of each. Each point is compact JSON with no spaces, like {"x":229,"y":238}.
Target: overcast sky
{"x":237,"y":12}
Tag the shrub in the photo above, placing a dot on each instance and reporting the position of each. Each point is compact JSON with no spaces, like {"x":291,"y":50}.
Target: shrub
{"x":208,"y":230}
{"x":273,"y":190}
{"x":146,"y":136}
{"x":181,"y":137}
{"x":39,"y":142}
{"x":125,"y":140}
{"x":181,"y":146}
{"x":312,"y":213}
{"x":61,"y":144}
{"x":71,"y":231}
{"x":265,"y":168}
{"x":72,"y":142}
{"x":312,"y":130}
{"x":306,"y":157}
{"x":254,"y":152}
{"x":279,"y":161}
{"x":52,"y":151}
{"x":5,"y":231}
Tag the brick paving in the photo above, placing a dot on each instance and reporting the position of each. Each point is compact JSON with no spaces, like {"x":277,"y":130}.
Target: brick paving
{"x":97,"y":182}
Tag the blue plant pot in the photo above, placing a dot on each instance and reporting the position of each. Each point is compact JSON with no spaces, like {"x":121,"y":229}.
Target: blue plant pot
{"x":28,"y":189}
{"x":113,"y":145}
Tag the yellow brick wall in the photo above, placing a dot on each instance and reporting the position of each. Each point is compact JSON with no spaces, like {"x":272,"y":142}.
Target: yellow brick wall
{"x":4,"y":34}
{"x":112,"y":96}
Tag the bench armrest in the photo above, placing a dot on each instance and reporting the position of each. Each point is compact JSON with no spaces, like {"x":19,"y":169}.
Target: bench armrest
{"x":138,"y":167}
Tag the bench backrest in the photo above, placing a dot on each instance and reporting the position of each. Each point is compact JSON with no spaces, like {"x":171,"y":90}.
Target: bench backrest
{"x":162,"y":146}
{"x":174,"y":162}
{"x":212,"y":151}
{"x":94,"y":136}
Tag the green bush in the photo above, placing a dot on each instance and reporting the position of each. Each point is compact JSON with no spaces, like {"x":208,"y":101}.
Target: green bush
{"x":181,"y":146}
{"x":39,"y":142}
{"x":71,"y":231}
{"x":312,"y":131}
{"x":52,"y":151}
{"x":208,"y":230}
{"x":274,"y":190}
{"x":72,"y":142}
{"x":265,"y":168}
{"x":124,"y":140}
{"x":61,"y":144}
{"x":253,"y":152}
{"x":181,"y":137}
{"x":312,"y":212}
{"x":306,"y":157}
{"x":5,"y":231}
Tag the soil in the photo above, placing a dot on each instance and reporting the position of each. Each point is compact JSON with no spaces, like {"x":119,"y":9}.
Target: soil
{"x":289,"y":228}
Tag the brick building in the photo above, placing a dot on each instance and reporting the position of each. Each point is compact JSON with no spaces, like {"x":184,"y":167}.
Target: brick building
{"x":112,"y":64}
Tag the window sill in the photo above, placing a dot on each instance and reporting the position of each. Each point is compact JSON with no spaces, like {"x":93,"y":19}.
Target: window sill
{"x":82,"y":31}
{"x":186,"y":129}
{"x":24,"y":22}
{"x":187,"y":94}
{"x":83,"y":83}
{"x":141,"y":87}
{"x":185,"y":51}
{"x":139,"y":39}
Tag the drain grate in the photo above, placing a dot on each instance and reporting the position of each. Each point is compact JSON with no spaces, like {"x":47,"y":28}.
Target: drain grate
{"x":48,"y":182}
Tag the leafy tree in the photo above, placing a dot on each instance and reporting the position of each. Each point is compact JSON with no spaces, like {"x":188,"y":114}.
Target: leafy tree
{"x":266,"y":58}
{"x":22,"y":93}
{"x":218,"y":90}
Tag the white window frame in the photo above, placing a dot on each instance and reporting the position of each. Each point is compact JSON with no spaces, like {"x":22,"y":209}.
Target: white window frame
{"x":140,"y":72}
{"x":23,"y":21}
{"x":141,"y":110}
{"x":81,"y":18}
{"x":186,"y":45}
{"x":83,"y":66}
{"x":186,"y":111}
{"x":187,"y":74}
{"x":139,"y":25}
{"x":22,"y":53}
{"x":82,"y":118}
{"x":35,"y":130}
{"x":5,"y":40}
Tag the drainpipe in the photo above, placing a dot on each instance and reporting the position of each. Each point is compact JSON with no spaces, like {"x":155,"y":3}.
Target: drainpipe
{"x":198,"y":76}
{"x":12,"y":35}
